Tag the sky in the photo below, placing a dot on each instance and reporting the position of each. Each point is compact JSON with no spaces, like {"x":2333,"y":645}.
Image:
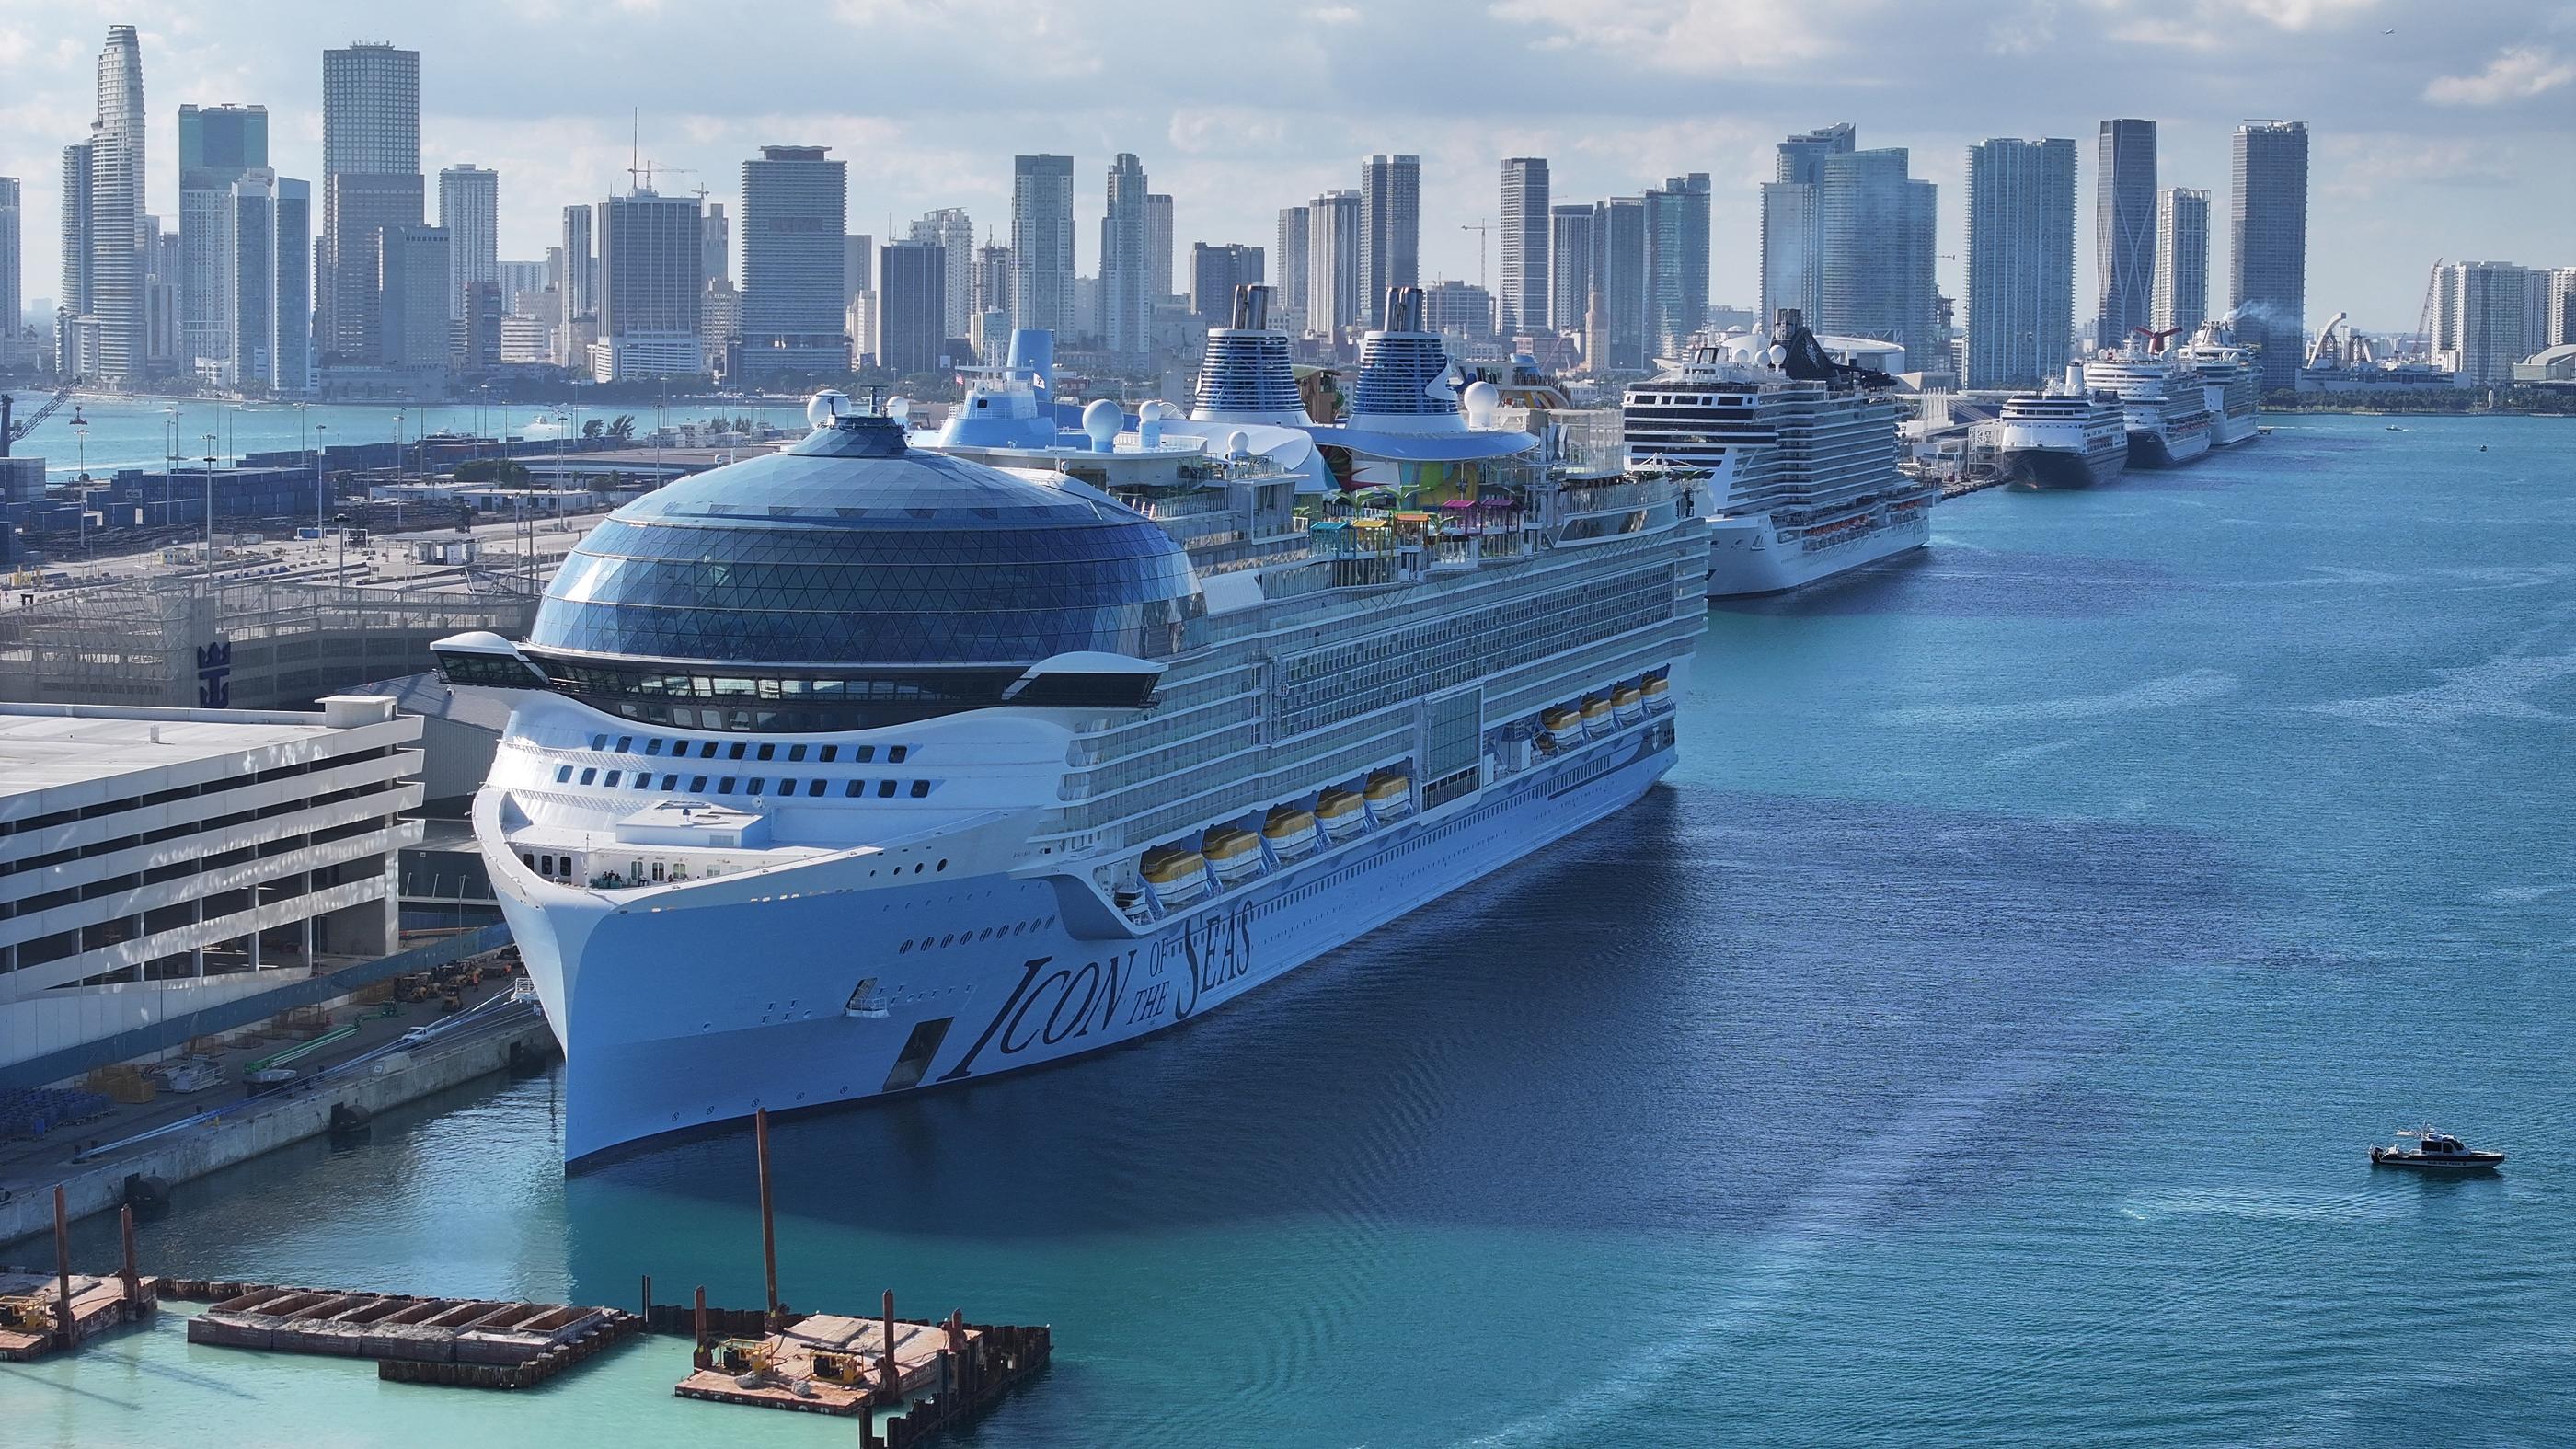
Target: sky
{"x":2438,"y":130}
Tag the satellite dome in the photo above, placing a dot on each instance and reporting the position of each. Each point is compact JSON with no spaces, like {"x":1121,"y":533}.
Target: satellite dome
{"x":1480,"y":399}
{"x":1101,"y":419}
{"x":1238,"y":444}
{"x":824,"y":407}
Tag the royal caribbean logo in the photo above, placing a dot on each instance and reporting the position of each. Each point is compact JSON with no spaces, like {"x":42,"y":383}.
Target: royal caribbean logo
{"x":214,"y":675}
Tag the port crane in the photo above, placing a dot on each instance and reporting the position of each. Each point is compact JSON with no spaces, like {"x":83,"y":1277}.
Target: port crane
{"x":11,"y":432}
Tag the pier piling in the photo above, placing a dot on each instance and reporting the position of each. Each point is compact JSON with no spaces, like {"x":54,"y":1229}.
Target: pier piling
{"x":768,"y":1225}
{"x":133,"y":1280}
{"x":64,"y":1328}
{"x":893,"y":1374}
{"x":647,"y":1309}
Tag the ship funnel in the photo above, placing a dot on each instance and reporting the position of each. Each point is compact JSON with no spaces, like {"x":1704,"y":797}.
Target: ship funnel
{"x":1403,"y":309}
{"x":1033,"y":353}
{"x":1252,"y":308}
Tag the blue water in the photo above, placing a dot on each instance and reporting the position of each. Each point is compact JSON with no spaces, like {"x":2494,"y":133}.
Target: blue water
{"x":1975,"y":1042}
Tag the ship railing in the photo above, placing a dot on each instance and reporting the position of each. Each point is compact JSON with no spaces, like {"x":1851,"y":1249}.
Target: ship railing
{"x":1453,"y":553}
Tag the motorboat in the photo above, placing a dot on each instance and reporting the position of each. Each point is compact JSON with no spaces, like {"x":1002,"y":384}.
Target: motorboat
{"x":2427,"y":1150}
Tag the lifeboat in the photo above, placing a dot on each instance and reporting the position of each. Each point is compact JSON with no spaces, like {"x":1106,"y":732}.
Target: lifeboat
{"x":1341,"y":814}
{"x":1290,"y":832}
{"x":1177,"y":874}
{"x":1658,"y":690}
{"x":1560,"y":720}
{"x":1597,"y":718}
{"x":1235,"y":854}
{"x":1389,"y":795}
{"x":1628,"y":704}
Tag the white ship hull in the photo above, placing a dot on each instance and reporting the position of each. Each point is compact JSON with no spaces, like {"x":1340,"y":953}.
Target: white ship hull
{"x":669,"y":1024}
{"x":1747,"y":556}
{"x":2159,"y":449}
{"x":2226,"y":430}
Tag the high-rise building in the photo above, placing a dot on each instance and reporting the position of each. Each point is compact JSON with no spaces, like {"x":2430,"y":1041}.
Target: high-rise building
{"x":953,"y":231}
{"x":1793,"y":234}
{"x":164,"y":348}
{"x":1619,"y":282}
{"x":1333,"y":262}
{"x":992,"y":281}
{"x":269,"y":254}
{"x":912,"y":306}
{"x":1158,"y":246}
{"x":13,"y":295}
{"x":650,"y":291}
{"x":795,"y":218}
{"x":1459,"y":309}
{"x":2124,"y":230}
{"x":2562,"y":296}
{"x":469,"y":211}
{"x":858,"y":267}
{"x":2488,"y":320}
{"x":1215,"y":271}
{"x":75,"y":327}
{"x":2021,"y":262}
{"x":416,"y":272}
{"x":218,"y":145}
{"x":1296,"y":230}
{"x":2267,"y":245}
{"x":2182,"y":260}
{"x":1676,"y":261}
{"x":715,"y":246}
{"x":1042,"y":243}
{"x":1569,"y":257}
{"x":1127,"y":290}
{"x":371,"y":180}
{"x":1525,"y":275}
{"x":1390,"y":230}
{"x":580,"y":264}
{"x":117,"y":264}
{"x":1877,"y":228}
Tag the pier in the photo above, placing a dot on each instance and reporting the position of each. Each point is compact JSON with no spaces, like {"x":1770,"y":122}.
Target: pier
{"x":471,"y":1342}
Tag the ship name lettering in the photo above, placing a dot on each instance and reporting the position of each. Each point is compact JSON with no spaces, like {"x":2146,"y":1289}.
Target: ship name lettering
{"x":1149,"y":1002}
{"x":1078,"y":999}
{"x":1218,"y":951}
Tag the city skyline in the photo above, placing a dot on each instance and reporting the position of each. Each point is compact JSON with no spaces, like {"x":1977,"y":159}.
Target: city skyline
{"x":2430,"y":142}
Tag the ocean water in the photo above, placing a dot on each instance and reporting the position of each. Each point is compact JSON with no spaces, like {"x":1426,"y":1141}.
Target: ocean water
{"x":1974,"y":1041}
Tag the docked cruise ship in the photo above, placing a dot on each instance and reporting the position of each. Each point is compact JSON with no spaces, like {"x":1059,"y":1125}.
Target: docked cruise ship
{"x":865,"y":767}
{"x":2231,"y":387}
{"x":2168,"y":419}
{"x":2074,"y":438}
{"x":1794,"y":456}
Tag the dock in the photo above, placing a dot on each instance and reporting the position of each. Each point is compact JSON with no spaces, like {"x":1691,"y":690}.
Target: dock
{"x":42,"y":1314}
{"x":470,"y":1342}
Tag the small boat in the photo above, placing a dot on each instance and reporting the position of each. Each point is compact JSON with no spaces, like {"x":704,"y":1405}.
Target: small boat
{"x":1628,"y":704}
{"x":1178,"y":875}
{"x":1389,"y":795}
{"x":1341,"y":813}
{"x":1233,"y":853}
{"x":2392,"y":427}
{"x":2426,"y":1150}
{"x":1290,"y":832}
{"x":1597,"y":719}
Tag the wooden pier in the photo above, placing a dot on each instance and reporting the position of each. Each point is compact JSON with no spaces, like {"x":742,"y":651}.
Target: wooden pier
{"x":471,"y":1342}
{"x":48,"y":1313}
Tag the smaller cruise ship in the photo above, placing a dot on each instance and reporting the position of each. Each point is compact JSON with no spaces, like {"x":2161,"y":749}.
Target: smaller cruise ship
{"x":2231,"y":386}
{"x":2168,"y":419}
{"x":2074,"y":438}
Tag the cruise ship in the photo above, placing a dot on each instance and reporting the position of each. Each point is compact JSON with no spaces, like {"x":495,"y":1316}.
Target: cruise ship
{"x":2168,"y":418}
{"x":2074,"y":438}
{"x":2231,"y":387}
{"x":1793,"y":456}
{"x":866,"y":767}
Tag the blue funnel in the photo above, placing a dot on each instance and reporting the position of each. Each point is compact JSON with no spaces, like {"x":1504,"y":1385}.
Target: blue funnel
{"x":1033,"y":352}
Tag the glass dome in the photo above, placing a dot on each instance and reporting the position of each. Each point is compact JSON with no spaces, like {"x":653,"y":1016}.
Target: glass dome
{"x":849,"y":550}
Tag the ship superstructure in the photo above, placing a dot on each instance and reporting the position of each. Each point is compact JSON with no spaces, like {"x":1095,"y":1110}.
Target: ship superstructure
{"x":1791,"y":455}
{"x":2062,"y":438}
{"x":2231,"y":388}
{"x":2167,"y":416}
{"x":864,"y":767}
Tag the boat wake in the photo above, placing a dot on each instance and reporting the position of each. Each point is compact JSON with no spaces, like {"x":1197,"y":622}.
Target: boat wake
{"x":2173,"y":691}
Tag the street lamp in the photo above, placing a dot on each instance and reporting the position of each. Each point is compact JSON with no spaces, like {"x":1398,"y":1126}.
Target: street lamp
{"x":340,"y":575}
{"x":210,"y":505}
{"x":321,"y":490}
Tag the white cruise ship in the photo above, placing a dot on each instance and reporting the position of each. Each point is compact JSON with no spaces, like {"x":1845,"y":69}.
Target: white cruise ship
{"x":1794,"y":456}
{"x":2231,"y":387}
{"x":2168,"y":419}
{"x":861,"y":768}
{"x":2073,"y":438}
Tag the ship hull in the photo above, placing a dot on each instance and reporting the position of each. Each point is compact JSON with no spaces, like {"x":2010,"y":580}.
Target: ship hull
{"x":2062,"y":468}
{"x":1746,"y":556}
{"x":2228,"y":430}
{"x":814,"y":991}
{"x":2159,"y":450}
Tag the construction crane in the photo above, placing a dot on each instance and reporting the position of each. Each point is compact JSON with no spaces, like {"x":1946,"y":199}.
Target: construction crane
{"x":1480,"y":229}
{"x":11,"y":432}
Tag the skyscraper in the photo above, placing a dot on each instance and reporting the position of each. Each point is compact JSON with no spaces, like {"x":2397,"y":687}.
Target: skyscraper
{"x":2267,"y":251}
{"x":1126,"y":261}
{"x":1676,"y":261}
{"x":1525,"y":275}
{"x":2021,"y":261}
{"x":581,"y":274}
{"x":1042,"y":243}
{"x":992,"y":280}
{"x":2124,"y":229}
{"x":2182,"y":260}
{"x":1793,"y":237}
{"x":912,"y":305}
{"x":1158,"y":248}
{"x":1390,"y":230}
{"x":1215,"y":271}
{"x":2489,"y":321}
{"x":953,"y":231}
{"x":715,"y":246}
{"x":469,"y":211}
{"x":1296,"y":233}
{"x":370,"y":181}
{"x":1333,"y":262}
{"x":13,"y":296}
{"x":269,"y":255}
{"x":858,"y":266}
{"x":412,"y":308}
{"x":795,"y":215}
{"x":1877,"y":230}
{"x":75,"y":329}
{"x":1619,"y":283}
{"x":218,"y":145}
{"x":650,"y":291}
{"x":1569,"y":257}
{"x":115,"y":213}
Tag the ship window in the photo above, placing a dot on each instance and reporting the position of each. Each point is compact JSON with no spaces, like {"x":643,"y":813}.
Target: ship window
{"x":794,"y":753}
{"x":657,"y":870}
{"x":829,"y":751}
{"x":725,"y":785}
{"x":768,"y":751}
{"x":612,"y":778}
{"x":857,"y":788}
{"x":587,"y":776}
{"x":813,"y":788}
{"x":653,"y":747}
{"x":734,"y":753}
{"x":759,"y":786}
{"x":885,"y":789}
{"x":697,"y":784}
{"x":920,"y":789}
{"x":527,"y":860}
{"x":563,"y":773}
{"x":863,"y":753}
{"x":895,"y":753}
{"x":707,"y":751}
{"x":599,"y":742}
{"x":670,"y":782}
{"x":918,"y":1050}
{"x":625,"y":743}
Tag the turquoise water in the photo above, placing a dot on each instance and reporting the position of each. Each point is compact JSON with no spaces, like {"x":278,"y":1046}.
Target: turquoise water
{"x":1975,"y":1042}
{"x":136,"y":432}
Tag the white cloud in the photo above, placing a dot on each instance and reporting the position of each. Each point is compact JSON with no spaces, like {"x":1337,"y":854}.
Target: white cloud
{"x":1691,"y":37}
{"x":2517,"y":73}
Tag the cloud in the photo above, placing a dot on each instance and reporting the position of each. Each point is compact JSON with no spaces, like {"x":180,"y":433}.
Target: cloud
{"x":1689,"y":37}
{"x":2516,"y":74}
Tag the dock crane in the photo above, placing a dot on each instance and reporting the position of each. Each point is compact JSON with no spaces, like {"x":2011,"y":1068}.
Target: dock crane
{"x":11,"y":432}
